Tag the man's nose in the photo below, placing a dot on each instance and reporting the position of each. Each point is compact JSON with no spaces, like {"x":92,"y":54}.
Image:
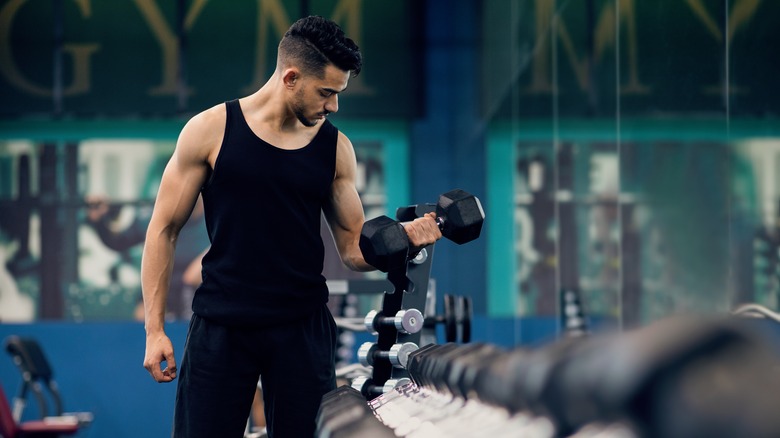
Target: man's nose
{"x":332,"y":105}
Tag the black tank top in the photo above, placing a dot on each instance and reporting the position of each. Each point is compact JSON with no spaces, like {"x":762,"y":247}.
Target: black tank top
{"x":262,"y":207}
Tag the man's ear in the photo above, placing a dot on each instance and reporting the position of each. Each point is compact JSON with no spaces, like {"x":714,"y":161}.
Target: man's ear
{"x":290,"y":77}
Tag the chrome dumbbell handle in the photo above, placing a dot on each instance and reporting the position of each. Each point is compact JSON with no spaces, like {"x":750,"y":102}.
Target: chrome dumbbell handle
{"x":407,"y":321}
{"x":398,"y":355}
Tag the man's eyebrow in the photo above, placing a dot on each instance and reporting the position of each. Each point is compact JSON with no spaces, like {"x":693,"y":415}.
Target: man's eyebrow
{"x":331,"y":90}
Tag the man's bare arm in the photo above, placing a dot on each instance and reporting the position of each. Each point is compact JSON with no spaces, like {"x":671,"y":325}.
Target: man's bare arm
{"x":345,"y":213}
{"x":181,"y":182}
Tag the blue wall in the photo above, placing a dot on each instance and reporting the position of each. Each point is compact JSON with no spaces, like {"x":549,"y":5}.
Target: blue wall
{"x":98,"y":367}
{"x":447,"y":142}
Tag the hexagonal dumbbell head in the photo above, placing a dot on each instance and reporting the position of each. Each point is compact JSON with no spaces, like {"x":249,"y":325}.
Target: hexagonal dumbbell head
{"x":384,"y":243}
{"x":461,"y":216}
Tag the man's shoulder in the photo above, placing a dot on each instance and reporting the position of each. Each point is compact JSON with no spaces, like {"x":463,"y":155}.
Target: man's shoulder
{"x":217,"y":114}
{"x":342,"y":139}
{"x":205,"y":129}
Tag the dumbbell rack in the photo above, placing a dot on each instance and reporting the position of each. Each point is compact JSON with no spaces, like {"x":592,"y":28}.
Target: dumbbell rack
{"x":410,"y":292}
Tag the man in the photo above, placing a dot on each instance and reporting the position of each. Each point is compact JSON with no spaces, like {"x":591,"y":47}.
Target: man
{"x":266,"y":165}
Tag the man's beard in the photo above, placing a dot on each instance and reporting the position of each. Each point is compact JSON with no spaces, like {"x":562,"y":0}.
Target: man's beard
{"x":301,"y":118}
{"x":298,"y":111}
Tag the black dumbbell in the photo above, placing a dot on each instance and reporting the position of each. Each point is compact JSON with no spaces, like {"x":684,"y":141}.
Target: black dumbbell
{"x":416,"y":361}
{"x":334,"y":402}
{"x":461,"y":371}
{"x":343,"y":413}
{"x":406,"y":321}
{"x":384,"y":242}
{"x":422,"y":362}
{"x":460,"y":216}
{"x":398,"y":354}
{"x":497,"y":383}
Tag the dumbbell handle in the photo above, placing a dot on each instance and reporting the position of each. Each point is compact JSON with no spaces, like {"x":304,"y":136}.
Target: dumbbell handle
{"x":432,"y":321}
{"x":367,"y":387}
{"x":439,"y":222}
{"x":406,"y":321}
{"x":398,"y":355}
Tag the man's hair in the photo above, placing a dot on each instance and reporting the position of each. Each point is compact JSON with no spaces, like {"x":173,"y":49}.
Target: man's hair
{"x":312,"y":43}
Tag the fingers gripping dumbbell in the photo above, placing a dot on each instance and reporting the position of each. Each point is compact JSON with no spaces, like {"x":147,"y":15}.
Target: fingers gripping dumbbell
{"x":384,"y":242}
{"x":407,"y":321}
{"x":398,"y":355}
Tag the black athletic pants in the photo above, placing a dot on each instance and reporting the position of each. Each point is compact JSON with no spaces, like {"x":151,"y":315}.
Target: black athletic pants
{"x":221,"y":365}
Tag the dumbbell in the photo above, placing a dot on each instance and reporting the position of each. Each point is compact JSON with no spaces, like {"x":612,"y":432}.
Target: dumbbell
{"x":398,"y":354}
{"x":369,"y":389}
{"x":343,"y":413}
{"x":406,"y":321}
{"x":422,"y":362}
{"x":334,"y":402}
{"x":384,"y":242}
{"x":417,"y":360}
{"x":461,"y":372}
{"x":497,"y":383}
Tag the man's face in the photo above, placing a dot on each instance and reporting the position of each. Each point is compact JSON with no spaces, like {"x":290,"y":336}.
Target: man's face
{"x":316,"y":98}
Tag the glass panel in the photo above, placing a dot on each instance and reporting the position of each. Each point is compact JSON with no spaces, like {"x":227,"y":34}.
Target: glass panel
{"x":585,"y":186}
{"x":552,"y":140}
{"x":754,"y":143}
{"x":674,"y":161}
{"x":638,"y":143}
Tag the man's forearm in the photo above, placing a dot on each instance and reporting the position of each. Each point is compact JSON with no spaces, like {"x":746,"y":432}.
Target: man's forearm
{"x":156,"y":267}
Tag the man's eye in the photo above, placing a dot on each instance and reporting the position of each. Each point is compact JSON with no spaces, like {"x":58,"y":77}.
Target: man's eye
{"x":325,"y":94}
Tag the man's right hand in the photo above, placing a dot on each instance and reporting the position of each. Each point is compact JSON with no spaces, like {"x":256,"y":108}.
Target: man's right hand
{"x":159,"y":349}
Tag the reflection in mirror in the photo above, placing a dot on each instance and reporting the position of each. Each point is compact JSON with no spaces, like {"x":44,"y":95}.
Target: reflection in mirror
{"x":642,"y":163}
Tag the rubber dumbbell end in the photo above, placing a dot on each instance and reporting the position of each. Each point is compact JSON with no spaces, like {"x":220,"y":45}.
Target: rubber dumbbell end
{"x":384,"y":243}
{"x":461,"y":216}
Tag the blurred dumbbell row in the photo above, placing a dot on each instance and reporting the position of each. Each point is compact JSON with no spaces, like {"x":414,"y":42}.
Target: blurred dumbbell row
{"x":681,"y":377}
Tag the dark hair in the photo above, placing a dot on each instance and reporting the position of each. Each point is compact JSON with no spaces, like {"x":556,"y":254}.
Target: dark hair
{"x":312,"y":43}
